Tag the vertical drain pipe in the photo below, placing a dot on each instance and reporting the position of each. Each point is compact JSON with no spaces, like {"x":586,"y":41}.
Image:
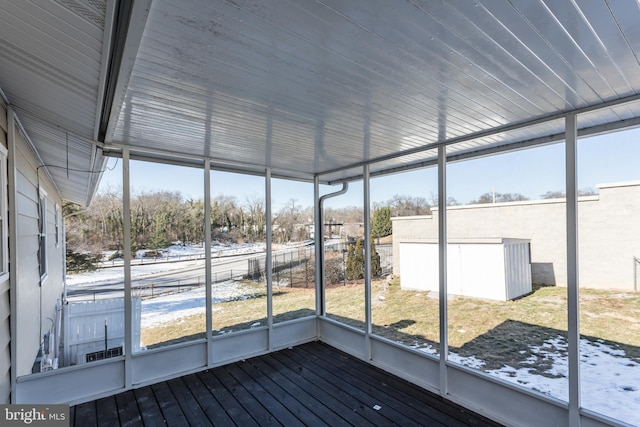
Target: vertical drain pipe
{"x":635,"y":273}
{"x":321,"y":309}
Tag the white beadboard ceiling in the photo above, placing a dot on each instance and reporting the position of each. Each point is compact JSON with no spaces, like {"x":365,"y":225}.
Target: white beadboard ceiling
{"x":50,"y":64}
{"x":316,"y":87}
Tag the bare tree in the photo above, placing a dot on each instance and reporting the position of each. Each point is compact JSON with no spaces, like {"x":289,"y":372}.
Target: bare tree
{"x":499,"y":198}
{"x":403,"y":205}
{"x":287,"y":222}
{"x":255,"y":219}
{"x":561,"y":194}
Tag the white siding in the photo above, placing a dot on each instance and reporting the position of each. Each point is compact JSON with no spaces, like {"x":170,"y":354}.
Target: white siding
{"x":3,"y":123}
{"x":419,"y":266}
{"x":517,"y":261}
{"x":5,"y":307}
{"x":36,"y":301}
{"x":5,"y":343}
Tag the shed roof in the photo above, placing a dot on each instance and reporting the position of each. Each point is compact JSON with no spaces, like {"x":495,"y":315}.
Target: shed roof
{"x":312,"y":87}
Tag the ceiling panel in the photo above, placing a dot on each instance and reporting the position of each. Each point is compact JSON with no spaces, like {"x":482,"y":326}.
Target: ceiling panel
{"x":319,"y":86}
{"x":50,"y":64}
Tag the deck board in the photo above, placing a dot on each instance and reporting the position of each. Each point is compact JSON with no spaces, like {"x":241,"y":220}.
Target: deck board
{"x":105,"y":409}
{"x":209,"y":404}
{"x":227,"y":400}
{"x":85,"y":414}
{"x":282,"y":404}
{"x":330,"y":389}
{"x":332,"y":411}
{"x":189,"y":403}
{"x":366,"y":396}
{"x":312,"y":384}
{"x":128,"y":411}
{"x":169,"y":407}
{"x":403,"y":396}
{"x":436,"y":406}
{"x":261,"y":415}
{"x":149,"y":407}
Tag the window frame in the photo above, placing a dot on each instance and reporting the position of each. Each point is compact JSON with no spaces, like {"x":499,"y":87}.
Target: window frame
{"x":43,"y":260}
{"x":57,"y":225}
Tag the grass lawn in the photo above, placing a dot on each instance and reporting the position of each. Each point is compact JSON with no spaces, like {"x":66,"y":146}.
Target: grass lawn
{"x":503,"y":332}
{"x":497,"y":332}
{"x":239,"y":314}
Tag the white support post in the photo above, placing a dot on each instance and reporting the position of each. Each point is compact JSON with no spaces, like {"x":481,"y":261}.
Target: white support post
{"x":367,"y":258}
{"x":442,"y":267}
{"x":13,"y":246}
{"x":319,"y":249}
{"x":268,"y":257}
{"x":571,"y":142}
{"x":207,"y":261}
{"x":128,"y":306}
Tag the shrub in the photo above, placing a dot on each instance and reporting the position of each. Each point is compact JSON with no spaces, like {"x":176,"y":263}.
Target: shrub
{"x":355,"y":261}
{"x":78,"y":262}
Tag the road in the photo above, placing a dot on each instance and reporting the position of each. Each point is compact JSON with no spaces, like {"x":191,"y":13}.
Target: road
{"x":189,"y":276}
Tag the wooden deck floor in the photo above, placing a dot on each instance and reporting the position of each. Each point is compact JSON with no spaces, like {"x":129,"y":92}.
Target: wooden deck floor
{"x":312,"y":384}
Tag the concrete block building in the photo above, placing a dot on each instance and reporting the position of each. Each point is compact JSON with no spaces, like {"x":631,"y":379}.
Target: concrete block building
{"x":608,"y":223}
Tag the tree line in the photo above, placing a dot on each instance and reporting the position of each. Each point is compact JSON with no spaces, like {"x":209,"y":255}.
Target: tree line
{"x":162,"y":217}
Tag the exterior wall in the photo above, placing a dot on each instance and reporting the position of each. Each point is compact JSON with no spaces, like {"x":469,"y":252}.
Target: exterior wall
{"x":36,"y":301}
{"x":5,"y":304}
{"x":609,"y":226}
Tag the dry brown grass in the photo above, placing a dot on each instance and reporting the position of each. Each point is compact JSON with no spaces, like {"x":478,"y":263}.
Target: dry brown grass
{"x":497,"y":332}
{"x":244,"y":313}
{"x":503,"y":332}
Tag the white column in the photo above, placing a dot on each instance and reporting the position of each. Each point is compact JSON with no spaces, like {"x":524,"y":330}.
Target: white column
{"x":128,"y":306}
{"x":319,"y":248}
{"x":207,"y":260}
{"x":572,"y":269}
{"x":442,"y":266}
{"x":268,"y":260}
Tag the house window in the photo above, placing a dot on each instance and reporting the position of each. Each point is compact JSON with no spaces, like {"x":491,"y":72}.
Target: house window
{"x":57,"y":225}
{"x":42,"y":222}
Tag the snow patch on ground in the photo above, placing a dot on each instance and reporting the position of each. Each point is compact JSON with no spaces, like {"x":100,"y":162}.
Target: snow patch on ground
{"x":175,"y":307}
{"x":610,"y":381}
